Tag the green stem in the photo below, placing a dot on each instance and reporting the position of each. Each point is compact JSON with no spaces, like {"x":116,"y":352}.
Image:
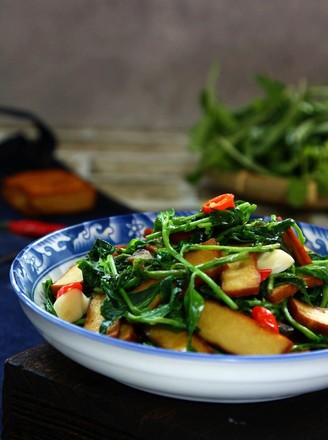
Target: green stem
{"x":156,"y":320}
{"x":230,"y":249}
{"x":201,"y":223}
{"x":110,"y":263}
{"x":324,"y":300}
{"x":126,"y":298}
{"x":307,"y":332}
{"x":243,"y":160}
{"x":165,"y":273}
{"x":222,"y":260}
{"x":215,"y":287}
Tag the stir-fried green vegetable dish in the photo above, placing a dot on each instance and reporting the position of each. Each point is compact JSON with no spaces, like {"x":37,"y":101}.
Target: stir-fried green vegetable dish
{"x":185,"y":264}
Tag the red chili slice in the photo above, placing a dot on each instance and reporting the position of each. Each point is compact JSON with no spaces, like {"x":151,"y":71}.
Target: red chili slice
{"x":219,"y":203}
{"x":265,"y":318}
{"x":67,"y":287}
{"x":264,"y":274}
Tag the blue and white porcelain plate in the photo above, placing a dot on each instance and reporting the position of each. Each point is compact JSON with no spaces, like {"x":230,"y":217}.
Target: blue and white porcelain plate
{"x":191,"y":376}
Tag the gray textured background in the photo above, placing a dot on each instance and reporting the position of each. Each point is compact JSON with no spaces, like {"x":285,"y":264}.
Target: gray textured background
{"x":141,"y":63}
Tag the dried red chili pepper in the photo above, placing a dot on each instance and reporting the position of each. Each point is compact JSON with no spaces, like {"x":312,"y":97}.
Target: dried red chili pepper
{"x":219,"y":203}
{"x":30,"y":228}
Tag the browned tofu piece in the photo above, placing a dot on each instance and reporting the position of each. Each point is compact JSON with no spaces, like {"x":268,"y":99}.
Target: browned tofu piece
{"x":315,"y":318}
{"x":296,"y":248}
{"x":241,"y":278}
{"x":94,"y":317}
{"x":236,"y":333}
{"x":198,"y":257}
{"x":282,"y":291}
{"x":127,"y":332}
{"x":72,"y":275}
{"x":175,"y":340}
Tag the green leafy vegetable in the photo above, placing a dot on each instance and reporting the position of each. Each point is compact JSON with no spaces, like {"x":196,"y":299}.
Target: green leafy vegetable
{"x":50,"y":298}
{"x":284,"y":133}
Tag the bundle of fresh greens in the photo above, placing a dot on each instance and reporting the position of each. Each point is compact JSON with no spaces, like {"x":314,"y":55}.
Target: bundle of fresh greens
{"x":217,"y":280}
{"x":284,"y":133}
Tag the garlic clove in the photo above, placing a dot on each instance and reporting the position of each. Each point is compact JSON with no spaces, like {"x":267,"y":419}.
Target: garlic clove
{"x":72,"y":305}
{"x":276,"y":260}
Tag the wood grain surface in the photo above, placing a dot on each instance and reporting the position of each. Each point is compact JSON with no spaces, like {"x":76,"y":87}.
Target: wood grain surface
{"x":48,"y":396}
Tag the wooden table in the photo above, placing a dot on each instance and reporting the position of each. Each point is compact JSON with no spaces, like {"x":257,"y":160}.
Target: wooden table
{"x":47,"y":396}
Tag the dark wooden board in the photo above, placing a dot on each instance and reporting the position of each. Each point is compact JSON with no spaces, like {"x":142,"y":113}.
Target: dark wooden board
{"x":48,"y":396}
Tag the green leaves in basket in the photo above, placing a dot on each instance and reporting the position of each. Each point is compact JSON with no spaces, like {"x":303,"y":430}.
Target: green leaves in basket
{"x":297,"y":192}
{"x":284,"y":133}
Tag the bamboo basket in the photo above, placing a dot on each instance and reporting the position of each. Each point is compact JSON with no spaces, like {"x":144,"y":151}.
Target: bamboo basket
{"x":266,"y":189}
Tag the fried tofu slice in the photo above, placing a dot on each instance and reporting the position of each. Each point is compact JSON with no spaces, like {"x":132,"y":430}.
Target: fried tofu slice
{"x":236,"y":333}
{"x":119,"y":329}
{"x":175,"y":340}
{"x":241,"y":278}
{"x":94,"y":318}
{"x":72,"y":275}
